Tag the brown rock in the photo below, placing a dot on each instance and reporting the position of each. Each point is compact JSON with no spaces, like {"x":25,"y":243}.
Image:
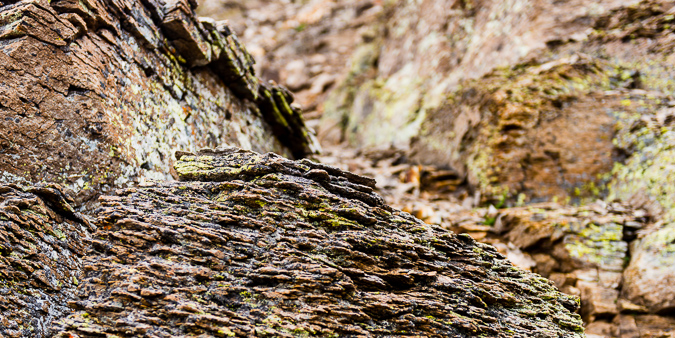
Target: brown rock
{"x":320,"y":34}
{"x":644,"y":326}
{"x":252,"y":244}
{"x":650,"y":276}
{"x":628,"y":307}
{"x":96,"y":95}
{"x":545,"y":264}
{"x":528,"y":234}
{"x":627,"y":328}
{"x":651,"y":326}
{"x":598,"y":301}
{"x":42,"y":244}
{"x":599,"y":329}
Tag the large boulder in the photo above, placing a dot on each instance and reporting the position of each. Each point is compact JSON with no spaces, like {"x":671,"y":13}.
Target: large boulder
{"x":96,"y":94}
{"x":258,"y":245}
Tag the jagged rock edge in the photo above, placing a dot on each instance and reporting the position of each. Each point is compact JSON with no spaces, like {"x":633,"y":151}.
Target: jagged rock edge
{"x":193,"y":42}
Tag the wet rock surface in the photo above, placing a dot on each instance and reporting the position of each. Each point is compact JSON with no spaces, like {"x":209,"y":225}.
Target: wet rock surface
{"x":98,"y":94}
{"x":42,"y":245}
{"x":257,"y":245}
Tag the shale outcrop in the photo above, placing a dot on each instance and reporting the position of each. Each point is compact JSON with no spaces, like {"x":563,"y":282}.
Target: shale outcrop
{"x":42,"y":246}
{"x":616,"y":256}
{"x":258,"y":245}
{"x":97,"y":94}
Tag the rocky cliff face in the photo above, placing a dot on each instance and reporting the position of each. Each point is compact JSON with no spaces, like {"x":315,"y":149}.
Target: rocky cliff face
{"x":42,"y":246}
{"x":98,"y":94}
{"x":503,"y":92}
{"x":504,"y":103}
{"x":258,"y":245}
{"x":495,"y":90}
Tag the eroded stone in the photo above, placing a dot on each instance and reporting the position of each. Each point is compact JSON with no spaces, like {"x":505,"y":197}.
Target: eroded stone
{"x":251,"y":244}
{"x":42,"y":245}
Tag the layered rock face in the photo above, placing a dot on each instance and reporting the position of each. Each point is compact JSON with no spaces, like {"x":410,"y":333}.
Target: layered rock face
{"x":499,"y":92}
{"x":42,"y":246}
{"x":257,"y":245}
{"x":614,"y":255}
{"x":96,"y":94}
{"x":523,"y":101}
{"x":502,"y":93}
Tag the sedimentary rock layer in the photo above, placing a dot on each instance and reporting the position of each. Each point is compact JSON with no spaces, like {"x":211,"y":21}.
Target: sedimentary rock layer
{"x":42,"y":242}
{"x":258,"y":245}
{"x":521,"y":97}
{"x":98,"y":93}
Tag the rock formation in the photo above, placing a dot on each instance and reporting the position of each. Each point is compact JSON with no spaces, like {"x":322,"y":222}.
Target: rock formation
{"x":258,"y":245}
{"x":503,"y":92}
{"x":495,"y":90}
{"x":42,"y":245}
{"x":511,"y":103}
{"x":586,"y":251}
{"x":613,"y":255}
{"x":97,"y":94}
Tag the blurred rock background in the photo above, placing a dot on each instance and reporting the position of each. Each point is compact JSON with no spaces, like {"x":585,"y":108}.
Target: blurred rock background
{"x":542,"y":127}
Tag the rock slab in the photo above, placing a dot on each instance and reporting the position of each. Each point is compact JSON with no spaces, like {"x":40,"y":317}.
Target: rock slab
{"x":97,"y":94}
{"x":258,"y":245}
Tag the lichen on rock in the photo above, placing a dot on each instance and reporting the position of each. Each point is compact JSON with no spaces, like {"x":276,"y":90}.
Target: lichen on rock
{"x":98,"y":94}
{"x":250,"y":244}
{"x":42,"y":241}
